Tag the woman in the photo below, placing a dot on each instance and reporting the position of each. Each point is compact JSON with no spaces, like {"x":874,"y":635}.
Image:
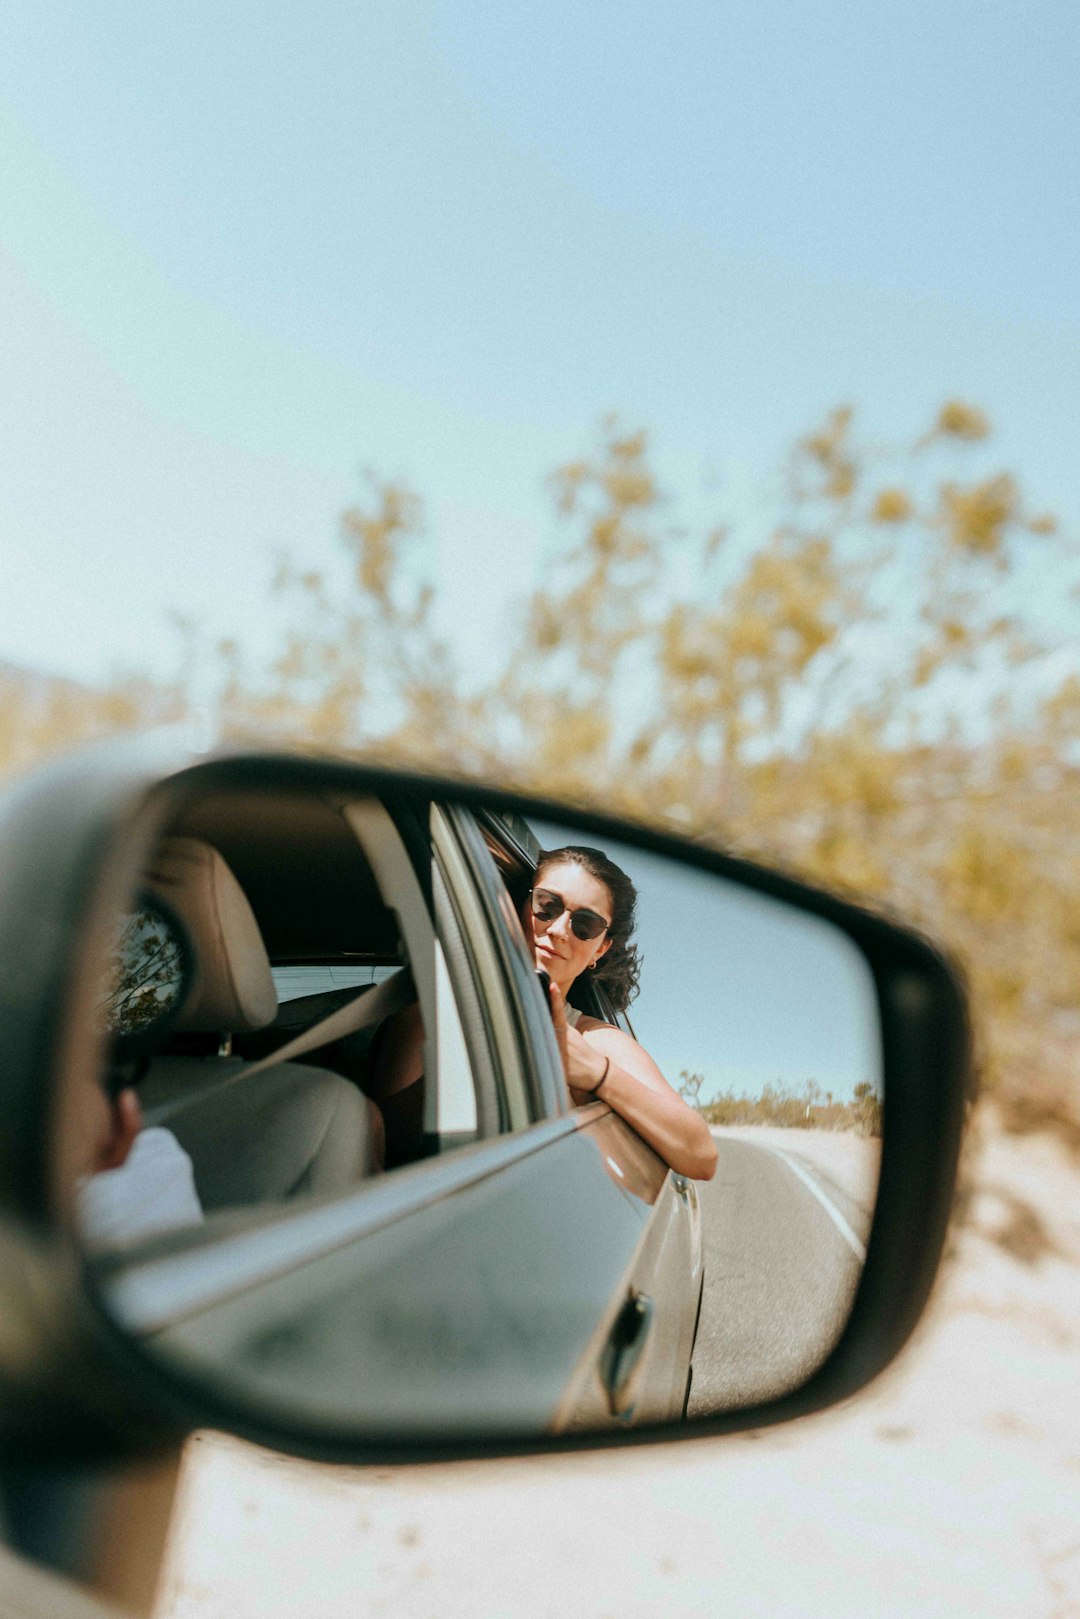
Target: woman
{"x":578,"y":918}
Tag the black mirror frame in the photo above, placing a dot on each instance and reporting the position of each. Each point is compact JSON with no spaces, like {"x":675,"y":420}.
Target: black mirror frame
{"x":94,"y":811}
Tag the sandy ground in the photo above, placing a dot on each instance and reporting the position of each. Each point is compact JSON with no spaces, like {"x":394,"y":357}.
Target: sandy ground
{"x":951,"y":1487}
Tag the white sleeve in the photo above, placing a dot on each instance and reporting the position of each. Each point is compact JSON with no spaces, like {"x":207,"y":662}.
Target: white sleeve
{"x":153,"y":1191}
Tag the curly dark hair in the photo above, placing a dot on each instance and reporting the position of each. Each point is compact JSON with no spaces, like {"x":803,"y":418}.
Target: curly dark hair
{"x":619,"y":968}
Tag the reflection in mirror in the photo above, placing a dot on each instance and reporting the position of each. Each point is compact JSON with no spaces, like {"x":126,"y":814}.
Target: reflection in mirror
{"x":148,"y":972}
{"x":445,"y":1137}
{"x":765,"y":1019}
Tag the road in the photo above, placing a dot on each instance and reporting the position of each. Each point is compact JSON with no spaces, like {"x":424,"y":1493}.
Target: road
{"x":783,"y":1243}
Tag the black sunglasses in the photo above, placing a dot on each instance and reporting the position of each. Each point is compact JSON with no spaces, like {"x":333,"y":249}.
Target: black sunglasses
{"x":548,"y":907}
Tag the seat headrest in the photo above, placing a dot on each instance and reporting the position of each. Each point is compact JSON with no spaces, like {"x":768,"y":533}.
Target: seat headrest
{"x":233,"y":991}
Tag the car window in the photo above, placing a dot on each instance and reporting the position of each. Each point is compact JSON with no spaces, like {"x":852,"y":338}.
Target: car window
{"x":449,"y":1105}
{"x":296,"y":979}
{"x":526,"y":1058}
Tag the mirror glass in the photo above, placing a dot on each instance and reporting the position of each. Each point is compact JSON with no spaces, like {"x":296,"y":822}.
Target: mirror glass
{"x":467,"y":1125}
{"x":148,"y":972}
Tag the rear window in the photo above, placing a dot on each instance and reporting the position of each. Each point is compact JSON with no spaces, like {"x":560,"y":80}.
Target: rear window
{"x":315,"y":977}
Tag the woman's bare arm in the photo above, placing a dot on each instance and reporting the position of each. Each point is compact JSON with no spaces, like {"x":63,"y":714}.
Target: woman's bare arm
{"x":634,"y":1087}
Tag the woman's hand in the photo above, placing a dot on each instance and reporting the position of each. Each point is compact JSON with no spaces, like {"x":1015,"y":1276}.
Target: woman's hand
{"x":583,"y":1065}
{"x":633,"y":1087}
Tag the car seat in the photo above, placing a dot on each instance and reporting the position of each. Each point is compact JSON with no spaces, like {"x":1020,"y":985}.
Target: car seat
{"x":291,"y":1129}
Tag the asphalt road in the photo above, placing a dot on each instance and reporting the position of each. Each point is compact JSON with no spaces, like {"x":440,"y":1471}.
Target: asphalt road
{"x":780,"y":1272}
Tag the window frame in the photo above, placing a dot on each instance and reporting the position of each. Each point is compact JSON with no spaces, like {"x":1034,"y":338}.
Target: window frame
{"x":527,"y":1059}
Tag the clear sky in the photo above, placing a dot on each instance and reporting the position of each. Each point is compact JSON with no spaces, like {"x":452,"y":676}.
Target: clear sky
{"x":248,"y":249}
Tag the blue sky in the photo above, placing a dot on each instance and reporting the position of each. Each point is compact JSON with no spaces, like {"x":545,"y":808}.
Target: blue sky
{"x":248,"y":250}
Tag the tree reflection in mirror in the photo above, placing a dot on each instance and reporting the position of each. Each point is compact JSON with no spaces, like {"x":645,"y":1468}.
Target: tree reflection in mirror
{"x":430,"y":1197}
{"x":148,"y":972}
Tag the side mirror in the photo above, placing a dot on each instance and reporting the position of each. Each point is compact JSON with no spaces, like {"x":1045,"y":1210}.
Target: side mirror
{"x":336,"y":1171}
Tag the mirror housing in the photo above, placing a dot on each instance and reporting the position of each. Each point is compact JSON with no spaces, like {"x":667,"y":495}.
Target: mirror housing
{"x":76,"y":838}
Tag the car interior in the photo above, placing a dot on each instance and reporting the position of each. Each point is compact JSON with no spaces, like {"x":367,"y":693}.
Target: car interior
{"x":294,"y":919}
{"x":278,"y":896}
{"x":298,"y":1127}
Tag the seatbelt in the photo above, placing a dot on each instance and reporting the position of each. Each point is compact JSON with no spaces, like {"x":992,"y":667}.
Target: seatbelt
{"x":365,"y":1009}
{"x":369,"y":1007}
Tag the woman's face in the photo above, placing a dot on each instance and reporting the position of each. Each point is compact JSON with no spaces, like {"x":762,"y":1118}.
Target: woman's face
{"x":559,"y":951}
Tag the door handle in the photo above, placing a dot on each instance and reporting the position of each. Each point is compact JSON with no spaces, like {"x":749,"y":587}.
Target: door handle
{"x":685,"y":1189}
{"x":623,"y":1355}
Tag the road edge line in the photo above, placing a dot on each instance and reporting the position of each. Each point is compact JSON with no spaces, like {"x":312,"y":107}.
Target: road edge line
{"x":858,"y":1248}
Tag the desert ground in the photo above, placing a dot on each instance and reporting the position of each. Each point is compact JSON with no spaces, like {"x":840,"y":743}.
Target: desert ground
{"x":952,"y":1486}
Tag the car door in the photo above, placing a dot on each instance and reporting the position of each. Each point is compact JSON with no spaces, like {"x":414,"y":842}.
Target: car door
{"x":669,"y":1270}
{"x":658,"y":1299}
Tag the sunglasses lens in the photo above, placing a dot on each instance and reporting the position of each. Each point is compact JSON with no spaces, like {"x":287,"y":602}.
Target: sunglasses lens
{"x":587,"y":925}
{"x":548,"y":907}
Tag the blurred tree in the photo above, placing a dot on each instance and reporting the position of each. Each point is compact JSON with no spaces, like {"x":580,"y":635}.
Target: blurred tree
{"x":689,"y":1087}
{"x":864,"y":690}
